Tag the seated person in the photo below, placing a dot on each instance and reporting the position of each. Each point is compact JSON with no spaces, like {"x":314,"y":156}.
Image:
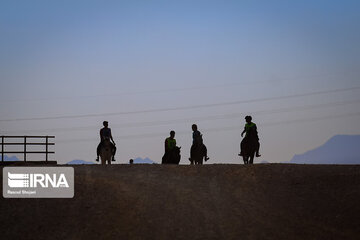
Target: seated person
{"x":198,"y":143}
{"x":105,"y":133}
{"x":250,"y":130}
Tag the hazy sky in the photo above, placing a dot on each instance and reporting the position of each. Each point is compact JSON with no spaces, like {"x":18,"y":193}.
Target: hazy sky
{"x":149,"y":67}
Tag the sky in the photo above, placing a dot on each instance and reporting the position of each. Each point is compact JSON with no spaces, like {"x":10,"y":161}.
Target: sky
{"x":149,"y":67}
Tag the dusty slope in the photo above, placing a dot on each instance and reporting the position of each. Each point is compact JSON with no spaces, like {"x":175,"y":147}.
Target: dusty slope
{"x":270,"y":201}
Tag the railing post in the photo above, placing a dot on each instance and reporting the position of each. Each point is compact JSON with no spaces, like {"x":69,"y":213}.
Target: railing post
{"x":24,"y":148}
{"x":2,"y":148}
{"x":47,"y":142}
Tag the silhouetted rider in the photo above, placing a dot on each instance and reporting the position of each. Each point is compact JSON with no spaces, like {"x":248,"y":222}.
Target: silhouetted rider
{"x":250,"y":130}
{"x":198,"y":143}
{"x":105,"y":133}
{"x":170,"y":144}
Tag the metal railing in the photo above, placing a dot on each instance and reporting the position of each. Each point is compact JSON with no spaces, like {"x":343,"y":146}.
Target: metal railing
{"x":26,"y":143}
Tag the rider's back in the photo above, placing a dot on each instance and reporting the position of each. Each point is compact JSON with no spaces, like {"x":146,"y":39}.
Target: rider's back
{"x":197,"y":138}
{"x":105,"y":132}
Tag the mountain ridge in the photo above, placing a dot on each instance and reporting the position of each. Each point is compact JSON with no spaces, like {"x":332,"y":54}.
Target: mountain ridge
{"x":78,"y":162}
{"x":339,"y":149}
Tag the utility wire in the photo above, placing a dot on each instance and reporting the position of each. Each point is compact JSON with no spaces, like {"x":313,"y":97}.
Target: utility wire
{"x":185,"y":107}
{"x":206,"y":118}
{"x":231,"y":128}
{"x":229,"y":84}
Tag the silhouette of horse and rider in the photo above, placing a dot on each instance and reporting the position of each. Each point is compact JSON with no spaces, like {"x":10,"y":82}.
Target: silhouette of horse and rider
{"x":249,"y":146}
{"x":172,"y":152}
{"x":198,"y":151}
{"x":107,"y":147}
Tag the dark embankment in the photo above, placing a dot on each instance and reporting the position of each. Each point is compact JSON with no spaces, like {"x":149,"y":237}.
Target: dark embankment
{"x":271,"y":201}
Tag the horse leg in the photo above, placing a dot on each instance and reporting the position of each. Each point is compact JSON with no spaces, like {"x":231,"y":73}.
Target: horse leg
{"x":245,"y":159}
{"x":252,"y":158}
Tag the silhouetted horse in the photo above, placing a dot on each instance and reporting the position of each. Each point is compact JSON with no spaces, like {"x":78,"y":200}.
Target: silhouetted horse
{"x":197,"y":154}
{"x":106,"y":151}
{"x":172,"y":157}
{"x":248,"y":148}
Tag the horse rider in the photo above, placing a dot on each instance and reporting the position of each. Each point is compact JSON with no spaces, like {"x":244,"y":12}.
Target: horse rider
{"x":250,"y":130}
{"x":198,"y":143}
{"x":105,"y":133}
{"x":170,"y":144}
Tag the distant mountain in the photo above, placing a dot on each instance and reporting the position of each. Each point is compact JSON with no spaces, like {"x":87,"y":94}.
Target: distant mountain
{"x":79,"y":162}
{"x":8,"y":159}
{"x":340,"y":149}
{"x":143,"y":161}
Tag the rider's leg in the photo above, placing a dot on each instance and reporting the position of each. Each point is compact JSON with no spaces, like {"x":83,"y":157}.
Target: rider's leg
{"x":98,"y":152}
{"x":205,"y":153}
{"x":166,"y":157}
{"x":114,"y":151}
{"x":257,"y":150}
{"x":171,"y":157}
{"x":241,"y":147}
{"x":192,"y":149}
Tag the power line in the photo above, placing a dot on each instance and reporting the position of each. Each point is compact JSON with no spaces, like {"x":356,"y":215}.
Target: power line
{"x":185,"y":107}
{"x":207,"y":118}
{"x":231,"y":128}
{"x":240,"y":127}
{"x":229,"y":84}
{"x":132,"y":93}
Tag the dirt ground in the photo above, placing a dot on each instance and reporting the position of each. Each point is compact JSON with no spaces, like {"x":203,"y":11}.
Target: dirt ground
{"x":263,"y":201}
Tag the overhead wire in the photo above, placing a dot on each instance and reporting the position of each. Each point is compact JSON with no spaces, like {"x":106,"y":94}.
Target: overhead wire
{"x":182,"y":108}
{"x":194,"y":119}
{"x":230,"y":128}
{"x":205,"y":118}
{"x":229,"y":84}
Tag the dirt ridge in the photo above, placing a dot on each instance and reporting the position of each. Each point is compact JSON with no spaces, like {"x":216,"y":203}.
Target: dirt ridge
{"x":222,"y":201}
